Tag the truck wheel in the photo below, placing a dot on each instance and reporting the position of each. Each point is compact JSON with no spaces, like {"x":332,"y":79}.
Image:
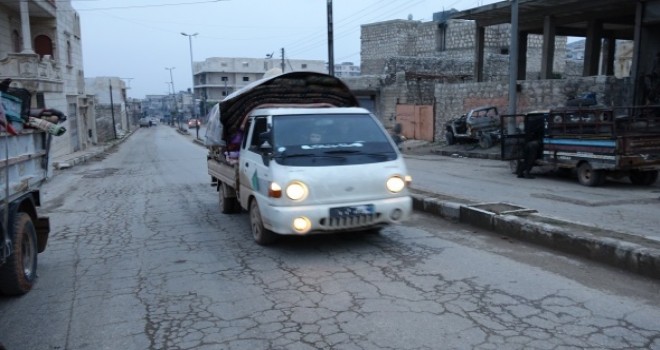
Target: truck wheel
{"x":228,"y":205}
{"x":485,"y":141}
{"x":19,"y":272}
{"x":449,"y":137}
{"x":588,"y":176}
{"x":260,"y":234}
{"x":643,"y":178}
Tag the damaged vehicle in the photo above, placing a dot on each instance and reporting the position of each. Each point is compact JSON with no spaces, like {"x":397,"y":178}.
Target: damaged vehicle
{"x":479,"y":124}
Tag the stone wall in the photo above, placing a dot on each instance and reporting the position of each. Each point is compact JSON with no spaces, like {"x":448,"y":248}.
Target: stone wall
{"x":454,"y":99}
{"x":452,"y":43}
{"x":457,"y":99}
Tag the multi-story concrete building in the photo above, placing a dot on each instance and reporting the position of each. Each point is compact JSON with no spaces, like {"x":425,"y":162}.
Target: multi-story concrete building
{"x":423,"y":73}
{"x":217,"y":77}
{"x":347,"y":69}
{"x":40,"y":50}
{"x":171,"y":108}
{"x":109,"y":94}
{"x":445,"y":48}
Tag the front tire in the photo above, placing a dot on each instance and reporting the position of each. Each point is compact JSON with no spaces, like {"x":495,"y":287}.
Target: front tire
{"x":18,"y":274}
{"x":588,"y":176}
{"x":260,"y":234}
{"x":449,"y":137}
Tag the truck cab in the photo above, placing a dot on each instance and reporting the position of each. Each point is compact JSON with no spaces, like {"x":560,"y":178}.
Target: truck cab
{"x":297,"y":152}
{"x":320,"y":170}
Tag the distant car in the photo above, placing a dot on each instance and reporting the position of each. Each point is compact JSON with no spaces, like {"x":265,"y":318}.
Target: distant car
{"x":145,"y":122}
{"x":193,"y":123}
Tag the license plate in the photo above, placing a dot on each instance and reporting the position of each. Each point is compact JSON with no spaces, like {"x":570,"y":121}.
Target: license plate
{"x":342,"y":212}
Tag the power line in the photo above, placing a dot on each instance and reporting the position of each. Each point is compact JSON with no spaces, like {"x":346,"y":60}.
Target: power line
{"x":148,"y":6}
{"x":302,"y":47}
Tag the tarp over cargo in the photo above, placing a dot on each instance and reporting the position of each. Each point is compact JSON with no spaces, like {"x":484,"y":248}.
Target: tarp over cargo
{"x":287,"y":89}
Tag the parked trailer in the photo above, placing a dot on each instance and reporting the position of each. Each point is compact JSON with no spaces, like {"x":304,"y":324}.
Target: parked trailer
{"x":595,"y":142}
{"x":23,"y":169}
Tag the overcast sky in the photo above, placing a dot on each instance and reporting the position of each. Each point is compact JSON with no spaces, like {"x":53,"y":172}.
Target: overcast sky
{"x":139,"y":39}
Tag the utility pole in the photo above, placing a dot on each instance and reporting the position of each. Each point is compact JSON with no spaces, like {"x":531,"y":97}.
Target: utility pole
{"x":176,"y":109}
{"x":171,"y":78}
{"x":331,"y":54}
{"x":513,"y":59}
{"x":112,"y":110}
{"x":282,"y":65}
{"x":192,"y":71}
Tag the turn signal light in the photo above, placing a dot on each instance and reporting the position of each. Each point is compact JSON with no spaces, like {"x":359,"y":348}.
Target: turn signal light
{"x":274,"y":190}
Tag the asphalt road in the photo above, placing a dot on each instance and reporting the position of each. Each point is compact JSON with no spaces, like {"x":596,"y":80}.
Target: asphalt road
{"x":141,"y":258}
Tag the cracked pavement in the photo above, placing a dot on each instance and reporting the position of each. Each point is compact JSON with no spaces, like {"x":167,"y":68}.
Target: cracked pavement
{"x":140,"y":257}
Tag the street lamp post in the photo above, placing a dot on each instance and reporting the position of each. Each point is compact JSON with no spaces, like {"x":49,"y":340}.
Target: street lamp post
{"x":171,"y":78}
{"x":192,"y":69}
{"x":173,"y":93}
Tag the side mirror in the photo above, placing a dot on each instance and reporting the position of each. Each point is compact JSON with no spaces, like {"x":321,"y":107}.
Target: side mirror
{"x":265,"y":146}
{"x":265,"y":141}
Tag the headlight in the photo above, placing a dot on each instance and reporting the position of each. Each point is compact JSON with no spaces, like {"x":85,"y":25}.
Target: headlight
{"x":296,"y":191}
{"x":395,"y":184}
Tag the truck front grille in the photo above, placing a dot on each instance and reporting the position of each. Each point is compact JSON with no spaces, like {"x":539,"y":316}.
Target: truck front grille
{"x":349,"y":222}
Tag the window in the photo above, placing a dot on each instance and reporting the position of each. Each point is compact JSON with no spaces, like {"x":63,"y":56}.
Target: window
{"x":441,"y":38}
{"x":224,"y":78}
{"x":260,"y":126}
{"x":246,"y":78}
{"x":41,"y":100}
{"x":246,"y":64}
{"x":69,"y":59}
{"x":43,"y":46}
{"x":304,"y":66}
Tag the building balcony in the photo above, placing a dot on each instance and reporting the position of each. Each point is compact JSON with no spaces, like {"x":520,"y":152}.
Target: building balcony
{"x":32,"y":72}
{"x":38,"y":9}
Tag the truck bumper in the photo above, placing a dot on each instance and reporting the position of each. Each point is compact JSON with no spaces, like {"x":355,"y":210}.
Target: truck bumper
{"x":385,"y":212}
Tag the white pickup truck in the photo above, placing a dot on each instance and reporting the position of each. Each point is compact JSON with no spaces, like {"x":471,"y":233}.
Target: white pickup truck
{"x":299,"y":155}
{"x":23,"y":169}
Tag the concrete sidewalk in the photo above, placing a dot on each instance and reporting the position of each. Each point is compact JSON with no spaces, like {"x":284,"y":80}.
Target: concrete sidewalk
{"x":629,"y":252}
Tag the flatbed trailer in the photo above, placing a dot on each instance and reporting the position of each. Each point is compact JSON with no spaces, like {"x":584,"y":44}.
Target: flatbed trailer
{"x":23,"y":232}
{"x":595,"y":142}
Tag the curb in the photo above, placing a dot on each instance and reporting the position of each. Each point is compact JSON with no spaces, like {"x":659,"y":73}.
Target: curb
{"x":635,"y":254}
{"x":467,"y":154}
{"x":60,"y":165}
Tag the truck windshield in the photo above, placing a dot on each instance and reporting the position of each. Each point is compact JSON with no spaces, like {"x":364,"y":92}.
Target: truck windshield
{"x":329,"y":140}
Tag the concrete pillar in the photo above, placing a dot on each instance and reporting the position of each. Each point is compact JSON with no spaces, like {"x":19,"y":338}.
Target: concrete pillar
{"x":607,"y":61}
{"x":522,"y":55}
{"x":25,"y":28}
{"x":637,"y":95}
{"x":479,"y":42}
{"x":592,"y":48}
{"x":548,"y":55}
